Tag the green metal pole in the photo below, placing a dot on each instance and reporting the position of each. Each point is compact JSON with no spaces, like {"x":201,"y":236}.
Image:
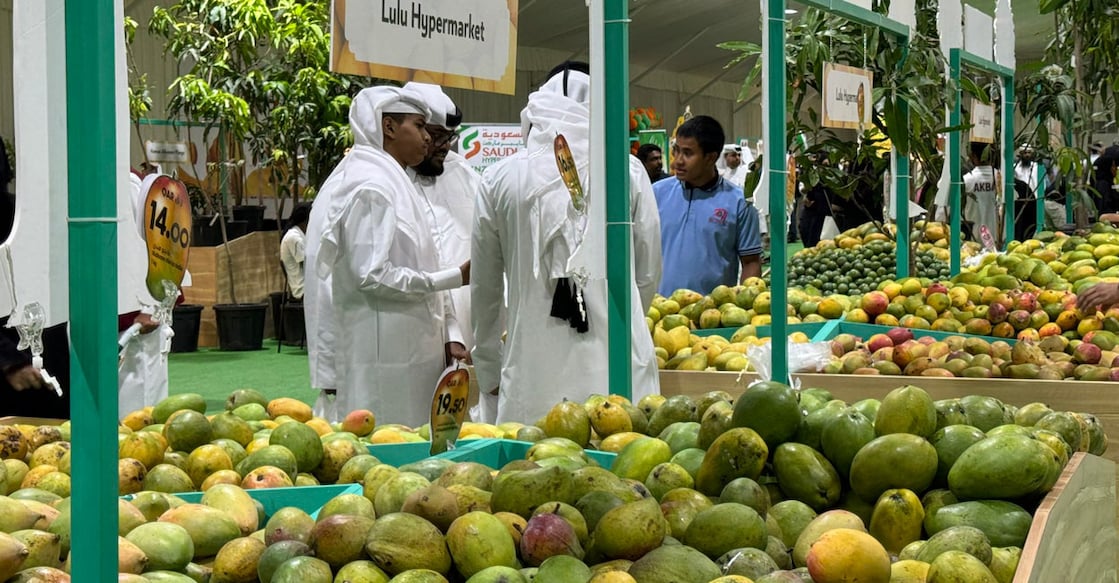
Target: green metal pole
{"x":1008,"y":105}
{"x":776,"y":147}
{"x":901,"y":185}
{"x":619,"y":274}
{"x":954,"y":169}
{"x":91,"y":157}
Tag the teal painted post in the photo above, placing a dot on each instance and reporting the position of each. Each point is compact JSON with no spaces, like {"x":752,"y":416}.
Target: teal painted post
{"x":953,"y":160}
{"x":91,"y":161}
{"x":1008,"y":105}
{"x":619,"y":266}
{"x":901,"y":202}
{"x":1040,"y":194}
{"x":774,"y":61}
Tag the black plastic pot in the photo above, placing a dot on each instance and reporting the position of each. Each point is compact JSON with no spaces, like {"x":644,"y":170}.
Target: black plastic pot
{"x":185,"y":321}
{"x":241,"y":326}
{"x":275,"y":301}
{"x":295,"y":330}
{"x":204,"y":234}
{"x":252,"y":215}
{"x":235,"y":229}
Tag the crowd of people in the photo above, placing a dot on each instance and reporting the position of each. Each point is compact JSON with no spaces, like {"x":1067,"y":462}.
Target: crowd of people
{"x":408,"y":260}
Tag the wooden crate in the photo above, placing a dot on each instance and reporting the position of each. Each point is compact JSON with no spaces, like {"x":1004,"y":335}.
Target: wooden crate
{"x":1072,"y":537}
{"x":255,"y":272}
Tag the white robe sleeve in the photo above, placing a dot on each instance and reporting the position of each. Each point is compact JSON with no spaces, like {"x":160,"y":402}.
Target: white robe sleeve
{"x":646,"y":233}
{"x":487,"y":290}
{"x":450,"y":320}
{"x":368,"y":227}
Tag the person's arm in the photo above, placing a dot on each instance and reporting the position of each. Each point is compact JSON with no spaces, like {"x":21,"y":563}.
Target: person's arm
{"x":17,"y":368}
{"x":368,"y":227}
{"x":1100,"y":296}
{"x":456,"y":344}
{"x":647,"y":261}
{"x":749,"y":240}
{"x":487,"y":291}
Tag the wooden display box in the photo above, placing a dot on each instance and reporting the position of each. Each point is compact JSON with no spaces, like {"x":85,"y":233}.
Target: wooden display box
{"x":1072,"y":537}
{"x":256,"y":274}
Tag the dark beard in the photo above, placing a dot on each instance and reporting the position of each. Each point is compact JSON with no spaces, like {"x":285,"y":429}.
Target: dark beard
{"x":429,"y":168}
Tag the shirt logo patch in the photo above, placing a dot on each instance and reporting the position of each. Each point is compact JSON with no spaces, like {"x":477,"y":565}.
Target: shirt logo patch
{"x":719,"y":217}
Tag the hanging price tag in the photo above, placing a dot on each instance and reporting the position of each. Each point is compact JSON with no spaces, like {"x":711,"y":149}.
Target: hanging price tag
{"x":448,"y":407}
{"x":166,"y":222}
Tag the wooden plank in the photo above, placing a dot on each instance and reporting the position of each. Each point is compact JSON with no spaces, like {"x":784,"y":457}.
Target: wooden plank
{"x":1070,"y":539}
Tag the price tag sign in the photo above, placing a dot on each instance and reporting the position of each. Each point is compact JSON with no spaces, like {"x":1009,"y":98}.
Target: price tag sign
{"x":166,"y":222}
{"x":448,"y":407}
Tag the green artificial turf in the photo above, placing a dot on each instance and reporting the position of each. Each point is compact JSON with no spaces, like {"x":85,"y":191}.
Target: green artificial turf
{"x":214,"y":373}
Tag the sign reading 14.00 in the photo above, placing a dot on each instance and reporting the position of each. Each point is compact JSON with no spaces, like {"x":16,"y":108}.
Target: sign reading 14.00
{"x":167,"y":227}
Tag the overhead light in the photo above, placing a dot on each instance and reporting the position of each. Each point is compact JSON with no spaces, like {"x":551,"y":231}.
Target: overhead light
{"x":790,"y":11}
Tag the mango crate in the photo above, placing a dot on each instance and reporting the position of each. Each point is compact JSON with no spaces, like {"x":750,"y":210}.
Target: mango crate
{"x":491,"y":452}
{"x":1075,"y":532}
{"x":810,"y":329}
{"x":399,"y":454}
{"x":864,"y":331}
{"x":495,"y":453}
{"x":309,"y":499}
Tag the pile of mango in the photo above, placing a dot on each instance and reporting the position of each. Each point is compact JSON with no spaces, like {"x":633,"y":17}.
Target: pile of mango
{"x":1054,"y":357}
{"x":1059,"y":261}
{"x":776,"y":486}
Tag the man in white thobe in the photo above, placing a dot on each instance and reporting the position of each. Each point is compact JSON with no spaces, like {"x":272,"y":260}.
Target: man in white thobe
{"x":449,"y":187}
{"x":392,"y":323}
{"x":524,"y":233}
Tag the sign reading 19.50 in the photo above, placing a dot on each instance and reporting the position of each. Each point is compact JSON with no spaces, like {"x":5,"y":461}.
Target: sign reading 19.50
{"x":157,"y":219}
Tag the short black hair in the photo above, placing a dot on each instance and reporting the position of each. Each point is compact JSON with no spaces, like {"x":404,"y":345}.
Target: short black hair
{"x":646,"y":149}
{"x":706,"y":131}
{"x":300,"y":214}
{"x":981,"y":151}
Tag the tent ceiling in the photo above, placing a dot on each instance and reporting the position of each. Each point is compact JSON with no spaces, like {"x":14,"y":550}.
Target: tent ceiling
{"x":680,"y":37}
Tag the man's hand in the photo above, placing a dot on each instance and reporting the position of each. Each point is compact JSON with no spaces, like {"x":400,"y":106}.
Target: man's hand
{"x":465,"y":269}
{"x":456,"y":351}
{"x":1098,"y":297}
{"x":25,"y":377}
{"x":147,"y":323}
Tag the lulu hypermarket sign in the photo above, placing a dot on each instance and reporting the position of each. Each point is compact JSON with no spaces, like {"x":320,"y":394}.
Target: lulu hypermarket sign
{"x":469,"y":44}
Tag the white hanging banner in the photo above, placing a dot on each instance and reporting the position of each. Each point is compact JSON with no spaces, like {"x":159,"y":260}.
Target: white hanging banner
{"x":469,"y":44}
{"x":1004,"y":34}
{"x":903,"y":11}
{"x":982,"y":122}
{"x":847,"y":96}
{"x":979,"y":33}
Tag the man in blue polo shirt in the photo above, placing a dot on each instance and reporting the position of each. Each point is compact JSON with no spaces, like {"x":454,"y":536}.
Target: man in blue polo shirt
{"x":709,"y":232}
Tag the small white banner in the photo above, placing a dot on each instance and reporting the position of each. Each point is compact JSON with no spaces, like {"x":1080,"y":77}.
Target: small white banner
{"x":167,"y":151}
{"x":847,"y":96}
{"x":458,"y":37}
{"x":979,"y":32}
{"x":982,"y":122}
{"x":485,"y":145}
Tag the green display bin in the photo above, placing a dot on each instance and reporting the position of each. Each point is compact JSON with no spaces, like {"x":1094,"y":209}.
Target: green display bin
{"x":399,"y":454}
{"x":495,"y":453}
{"x":809,"y":328}
{"x":307,"y":498}
{"x":865,"y":331}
